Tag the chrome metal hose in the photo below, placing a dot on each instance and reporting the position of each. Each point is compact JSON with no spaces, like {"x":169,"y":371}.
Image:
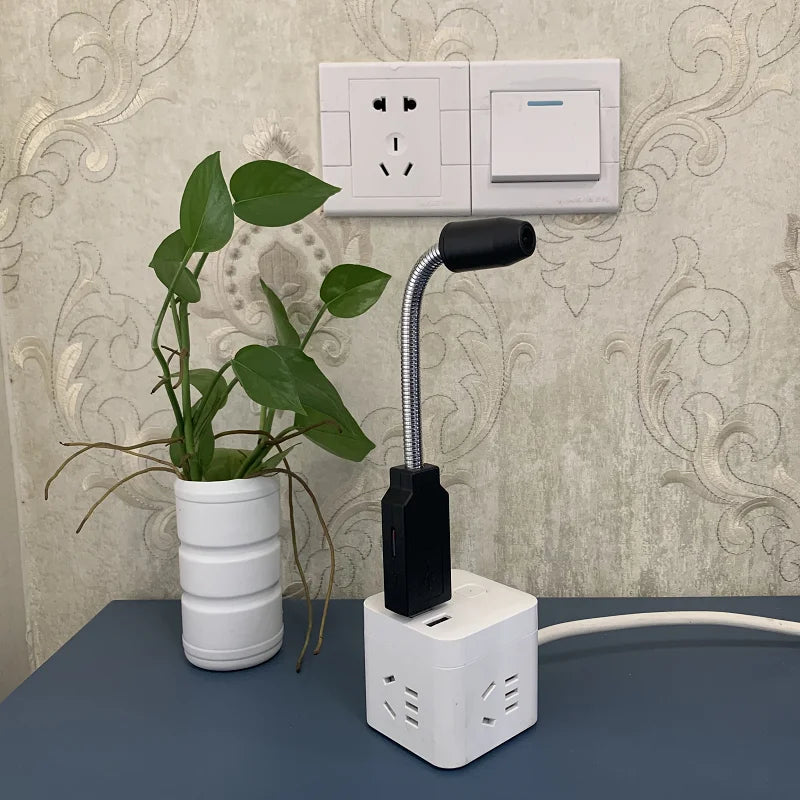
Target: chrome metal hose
{"x":409,"y":354}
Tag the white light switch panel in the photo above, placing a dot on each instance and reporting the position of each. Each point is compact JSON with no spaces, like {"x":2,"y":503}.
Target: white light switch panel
{"x":395,"y":138}
{"x":540,"y":164}
{"x":545,"y":136}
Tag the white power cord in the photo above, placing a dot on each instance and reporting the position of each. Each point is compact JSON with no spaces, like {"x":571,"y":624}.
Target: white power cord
{"x":582,"y":627}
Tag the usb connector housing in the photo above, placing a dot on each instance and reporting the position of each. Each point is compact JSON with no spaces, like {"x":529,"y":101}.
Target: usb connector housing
{"x":416,"y":540}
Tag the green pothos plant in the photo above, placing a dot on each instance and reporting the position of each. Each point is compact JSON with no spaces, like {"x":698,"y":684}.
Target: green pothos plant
{"x":279,"y":378}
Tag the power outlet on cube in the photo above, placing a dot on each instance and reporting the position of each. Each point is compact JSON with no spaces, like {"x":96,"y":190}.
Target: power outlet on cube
{"x":395,"y":138}
{"x":457,"y":681}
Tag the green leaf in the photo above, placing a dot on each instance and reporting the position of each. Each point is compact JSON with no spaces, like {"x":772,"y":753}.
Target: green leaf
{"x":266,"y":377}
{"x":351,"y":289}
{"x":204,"y":441}
{"x":206,"y":209}
{"x":274,"y":459}
{"x":205,"y":381}
{"x":284,"y":378}
{"x":167,"y":261}
{"x":348,"y":441}
{"x":322,"y":402}
{"x":176,"y":450}
{"x":225,"y":464}
{"x":271,"y":194}
{"x":284,"y":329}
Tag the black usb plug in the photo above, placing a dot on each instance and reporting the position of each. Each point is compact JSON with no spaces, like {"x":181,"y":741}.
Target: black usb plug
{"x":416,"y":540}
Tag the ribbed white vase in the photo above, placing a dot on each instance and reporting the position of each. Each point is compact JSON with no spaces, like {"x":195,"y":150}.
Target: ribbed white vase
{"x":230,"y":569}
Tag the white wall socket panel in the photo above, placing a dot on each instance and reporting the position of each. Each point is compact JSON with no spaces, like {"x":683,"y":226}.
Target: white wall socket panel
{"x":395,"y":138}
{"x":482,"y":138}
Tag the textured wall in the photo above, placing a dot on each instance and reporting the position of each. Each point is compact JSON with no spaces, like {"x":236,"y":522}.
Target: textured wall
{"x":618,"y":418}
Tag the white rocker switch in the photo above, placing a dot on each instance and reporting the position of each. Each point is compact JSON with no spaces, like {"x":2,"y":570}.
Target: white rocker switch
{"x":545,"y":136}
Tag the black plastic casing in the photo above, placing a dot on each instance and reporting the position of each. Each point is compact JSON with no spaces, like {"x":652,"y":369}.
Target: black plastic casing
{"x":416,"y":541}
{"x":485,"y":243}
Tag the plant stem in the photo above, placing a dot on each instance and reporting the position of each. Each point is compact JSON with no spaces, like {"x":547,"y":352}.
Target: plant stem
{"x":326,"y":534}
{"x":267,"y":426}
{"x":284,"y":435}
{"x":200,"y":264}
{"x":230,"y":387}
{"x":328,"y":539}
{"x":115,"y":487}
{"x":162,"y":381}
{"x":265,"y":419}
{"x":243,"y":432}
{"x":195,"y":472}
{"x":86,"y":446}
{"x":267,"y":439}
{"x":173,"y":307}
{"x":313,"y":326}
{"x":259,"y":451}
{"x":154,"y":344}
{"x":306,"y":592}
{"x":290,"y":433}
{"x":262,"y":448}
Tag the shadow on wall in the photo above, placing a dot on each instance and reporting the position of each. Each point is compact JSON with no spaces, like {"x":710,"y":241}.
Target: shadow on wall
{"x":14,"y":666}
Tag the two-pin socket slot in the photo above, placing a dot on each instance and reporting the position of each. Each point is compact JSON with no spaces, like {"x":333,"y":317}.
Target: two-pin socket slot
{"x":409,"y":103}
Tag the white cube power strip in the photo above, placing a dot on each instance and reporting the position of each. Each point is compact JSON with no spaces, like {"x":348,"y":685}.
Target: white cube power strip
{"x":457,"y":681}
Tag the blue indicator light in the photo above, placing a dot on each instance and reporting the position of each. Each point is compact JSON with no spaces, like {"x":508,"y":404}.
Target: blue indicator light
{"x":545,"y":102}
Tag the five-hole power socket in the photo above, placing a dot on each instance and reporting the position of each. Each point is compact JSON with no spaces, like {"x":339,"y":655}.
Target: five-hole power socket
{"x":395,"y":137}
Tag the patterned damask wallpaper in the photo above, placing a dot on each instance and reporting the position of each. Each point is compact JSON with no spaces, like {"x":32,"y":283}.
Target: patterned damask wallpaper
{"x":620,"y":416}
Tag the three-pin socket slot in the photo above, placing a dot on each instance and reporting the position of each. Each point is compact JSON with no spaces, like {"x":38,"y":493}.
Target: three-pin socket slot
{"x":385,"y":170}
{"x":511,"y":693}
{"x":412,"y":707}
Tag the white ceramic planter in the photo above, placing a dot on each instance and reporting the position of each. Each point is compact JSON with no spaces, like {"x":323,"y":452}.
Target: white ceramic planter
{"x":230,"y":570}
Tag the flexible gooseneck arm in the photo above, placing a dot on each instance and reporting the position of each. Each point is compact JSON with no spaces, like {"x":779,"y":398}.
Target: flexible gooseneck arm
{"x":409,"y":354}
{"x":462,"y":246}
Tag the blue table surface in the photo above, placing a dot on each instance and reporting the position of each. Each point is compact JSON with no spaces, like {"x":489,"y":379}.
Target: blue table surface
{"x":648,"y":714}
